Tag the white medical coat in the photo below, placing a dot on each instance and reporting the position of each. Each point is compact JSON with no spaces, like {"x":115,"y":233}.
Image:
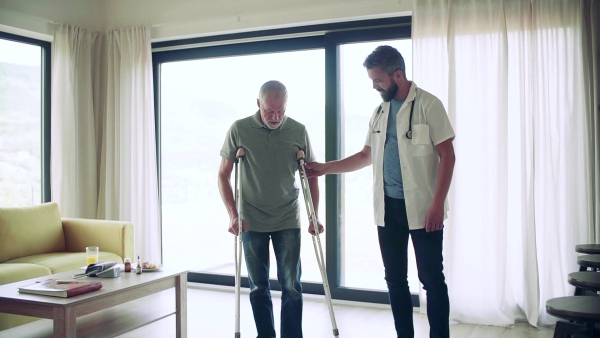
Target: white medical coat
{"x":419,"y":162}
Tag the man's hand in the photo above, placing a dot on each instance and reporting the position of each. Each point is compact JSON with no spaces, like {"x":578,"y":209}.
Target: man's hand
{"x":233,"y":226}
{"x":348,"y":164}
{"x":311,"y":228}
{"x":434,"y":220}
{"x":314,"y":169}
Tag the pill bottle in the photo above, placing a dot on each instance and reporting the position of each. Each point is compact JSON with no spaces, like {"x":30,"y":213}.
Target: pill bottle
{"x":127,"y":264}
{"x":138,"y":269}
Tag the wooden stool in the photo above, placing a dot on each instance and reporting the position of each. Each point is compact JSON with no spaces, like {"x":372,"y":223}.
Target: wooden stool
{"x":588,"y":261}
{"x":588,"y":248}
{"x":578,"y":309}
{"x":585,"y":280}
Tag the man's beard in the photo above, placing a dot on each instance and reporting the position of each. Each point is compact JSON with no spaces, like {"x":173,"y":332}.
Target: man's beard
{"x":390,"y":93}
{"x":271,"y":127}
{"x":268,"y":125}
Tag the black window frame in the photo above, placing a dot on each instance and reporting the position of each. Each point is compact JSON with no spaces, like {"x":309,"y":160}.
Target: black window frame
{"x":326,"y":36}
{"x":46,"y":81}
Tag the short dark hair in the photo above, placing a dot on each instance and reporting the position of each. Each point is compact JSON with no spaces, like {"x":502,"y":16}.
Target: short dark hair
{"x":387,"y":58}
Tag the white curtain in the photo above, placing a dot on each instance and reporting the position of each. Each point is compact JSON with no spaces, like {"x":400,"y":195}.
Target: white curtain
{"x":511,"y":74}
{"x":128,"y":173}
{"x":111,"y":146}
{"x":73,"y":136}
{"x":591,"y":48}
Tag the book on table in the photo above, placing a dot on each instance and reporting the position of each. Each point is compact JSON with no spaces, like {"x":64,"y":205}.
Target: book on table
{"x":60,"y":288}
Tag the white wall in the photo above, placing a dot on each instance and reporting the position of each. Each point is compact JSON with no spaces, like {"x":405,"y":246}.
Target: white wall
{"x":36,"y":18}
{"x":174,"y":19}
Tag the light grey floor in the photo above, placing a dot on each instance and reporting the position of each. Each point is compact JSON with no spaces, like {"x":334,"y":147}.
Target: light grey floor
{"x":211,"y":314}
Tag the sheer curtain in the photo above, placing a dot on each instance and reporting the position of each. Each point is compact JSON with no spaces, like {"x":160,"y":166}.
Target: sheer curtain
{"x":591,"y":47}
{"x":73,"y":136}
{"x":128,"y":174}
{"x":511,"y":74}
{"x":103,"y":133}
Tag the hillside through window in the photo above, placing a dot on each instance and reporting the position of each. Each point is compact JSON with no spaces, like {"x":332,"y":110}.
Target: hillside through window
{"x":20,"y":124}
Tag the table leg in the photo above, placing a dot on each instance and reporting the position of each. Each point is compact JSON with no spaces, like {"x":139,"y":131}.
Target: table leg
{"x":65,"y":324}
{"x":181,"y":305}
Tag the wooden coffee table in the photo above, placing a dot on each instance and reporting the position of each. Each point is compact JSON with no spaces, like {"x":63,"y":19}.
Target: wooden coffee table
{"x":124,"y":294}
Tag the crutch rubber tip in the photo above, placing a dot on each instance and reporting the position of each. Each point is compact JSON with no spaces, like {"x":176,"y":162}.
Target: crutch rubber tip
{"x":240,"y":153}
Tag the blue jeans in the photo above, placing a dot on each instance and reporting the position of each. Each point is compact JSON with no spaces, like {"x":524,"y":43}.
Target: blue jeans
{"x":393,"y":242}
{"x":286,"y":245}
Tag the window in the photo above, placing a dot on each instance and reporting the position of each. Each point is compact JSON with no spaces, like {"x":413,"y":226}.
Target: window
{"x":24,"y":95}
{"x":200,"y":99}
{"x":202,"y":90}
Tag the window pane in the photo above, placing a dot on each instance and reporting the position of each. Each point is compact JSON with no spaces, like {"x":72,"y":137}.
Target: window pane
{"x":363,"y":267}
{"x":20,"y":124}
{"x":200,"y":99}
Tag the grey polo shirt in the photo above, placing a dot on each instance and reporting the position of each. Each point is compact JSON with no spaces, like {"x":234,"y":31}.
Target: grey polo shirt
{"x":269,"y":191}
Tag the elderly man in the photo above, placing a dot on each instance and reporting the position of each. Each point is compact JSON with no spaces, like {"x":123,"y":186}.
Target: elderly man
{"x":270,"y":141}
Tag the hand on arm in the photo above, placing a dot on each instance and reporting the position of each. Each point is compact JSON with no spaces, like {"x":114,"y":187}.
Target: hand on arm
{"x":351,"y":163}
{"x":227,"y":196}
{"x":434,"y":220}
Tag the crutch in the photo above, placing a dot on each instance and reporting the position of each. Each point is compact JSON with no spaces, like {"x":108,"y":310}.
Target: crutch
{"x":239,"y":158}
{"x":310,"y":209}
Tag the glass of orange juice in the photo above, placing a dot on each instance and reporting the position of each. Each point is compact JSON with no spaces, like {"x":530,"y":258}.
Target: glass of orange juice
{"x":91,"y":254}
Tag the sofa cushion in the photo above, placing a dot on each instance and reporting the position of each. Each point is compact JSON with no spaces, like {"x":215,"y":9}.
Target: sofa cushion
{"x":36,"y":229}
{"x":63,"y":261}
{"x":10,"y":273}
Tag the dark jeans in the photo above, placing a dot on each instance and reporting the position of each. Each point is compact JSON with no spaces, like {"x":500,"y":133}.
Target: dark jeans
{"x":393,"y":242}
{"x":286,"y":245}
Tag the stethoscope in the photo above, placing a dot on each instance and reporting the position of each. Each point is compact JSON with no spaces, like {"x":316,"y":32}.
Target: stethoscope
{"x":380,"y":114}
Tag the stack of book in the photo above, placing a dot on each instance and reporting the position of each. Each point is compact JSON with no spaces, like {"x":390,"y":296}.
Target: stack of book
{"x":60,"y":288}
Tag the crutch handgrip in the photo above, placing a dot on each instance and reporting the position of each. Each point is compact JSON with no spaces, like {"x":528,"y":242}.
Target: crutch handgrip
{"x":301,"y":162}
{"x":240,"y":153}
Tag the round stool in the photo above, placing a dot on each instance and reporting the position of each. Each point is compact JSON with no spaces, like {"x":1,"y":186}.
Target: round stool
{"x":588,"y":248}
{"x":577,"y":309}
{"x":585,"y":280}
{"x":588,"y":261}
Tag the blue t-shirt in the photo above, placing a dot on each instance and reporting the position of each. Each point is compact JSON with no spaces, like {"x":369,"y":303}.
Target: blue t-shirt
{"x":392,"y":174}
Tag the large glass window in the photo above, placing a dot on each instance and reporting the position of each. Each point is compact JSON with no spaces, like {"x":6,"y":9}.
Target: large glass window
{"x":21,"y":70}
{"x":200,"y":99}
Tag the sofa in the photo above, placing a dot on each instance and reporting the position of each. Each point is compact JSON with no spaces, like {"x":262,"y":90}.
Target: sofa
{"x":36,"y":241}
